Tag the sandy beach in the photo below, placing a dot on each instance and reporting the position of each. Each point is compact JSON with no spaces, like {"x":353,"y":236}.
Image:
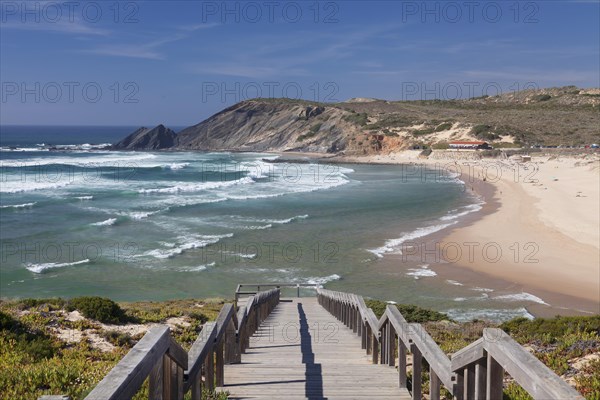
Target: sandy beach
{"x":537,"y":232}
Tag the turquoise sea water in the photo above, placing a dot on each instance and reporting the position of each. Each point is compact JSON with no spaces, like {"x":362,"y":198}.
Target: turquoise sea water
{"x":142,"y":225}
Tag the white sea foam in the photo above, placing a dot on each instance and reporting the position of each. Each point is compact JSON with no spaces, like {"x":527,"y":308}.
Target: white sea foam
{"x":391,"y":245}
{"x":21,"y":149}
{"x":176,"y":166}
{"x":493,"y":315}
{"x":424,"y":271}
{"x":197,"y":268}
{"x":24,"y":185}
{"x":137,"y":215}
{"x":83,"y":198}
{"x":453,"y":282}
{"x":40,"y":268}
{"x":24,"y":205}
{"x":322,"y":280}
{"x":466,"y":210}
{"x":95,"y":160}
{"x":521,"y":297}
{"x":241,"y":255}
{"x":185,"y":243}
{"x":482,"y":289}
{"x":283,"y":221}
{"x":181,"y":187}
{"x":108,"y":222}
{"x":258,"y":227}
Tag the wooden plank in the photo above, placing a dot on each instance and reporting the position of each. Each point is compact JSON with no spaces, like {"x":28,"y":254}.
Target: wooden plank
{"x":125,"y":379}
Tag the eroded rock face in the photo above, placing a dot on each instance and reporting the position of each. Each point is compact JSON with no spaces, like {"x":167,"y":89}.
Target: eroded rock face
{"x":310,"y":112}
{"x":157,"y":138}
{"x":269,"y":125}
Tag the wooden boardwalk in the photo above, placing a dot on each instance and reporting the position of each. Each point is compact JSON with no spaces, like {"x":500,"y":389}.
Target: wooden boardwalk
{"x":302,"y":352}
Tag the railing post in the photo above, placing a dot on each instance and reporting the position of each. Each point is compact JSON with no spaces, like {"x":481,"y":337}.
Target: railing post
{"x":434,"y":386}
{"x":374,"y":347}
{"x":232,"y":345}
{"x":417,"y":372}
{"x":469,"y":375}
{"x":209,"y":377}
{"x":495,"y":377}
{"x":459,"y":386}
{"x":480,"y":378}
{"x":401,"y":363}
{"x":383,"y":344}
{"x":391,"y":345}
{"x":220,"y":365}
{"x":155,"y":381}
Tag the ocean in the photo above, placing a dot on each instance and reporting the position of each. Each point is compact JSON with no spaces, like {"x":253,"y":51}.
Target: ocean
{"x":81,"y":220}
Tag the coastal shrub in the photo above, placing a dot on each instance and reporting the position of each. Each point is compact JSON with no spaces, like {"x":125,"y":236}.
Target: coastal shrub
{"x":421,"y":132}
{"x":542,"y":97}
{"x":117,"y":338}
{"x":425,"y":152}
{"x":389,"y":133}
{"x":49,"y":304}
{"x":311,"y":133}
{"x":589,"y":384}
{"x":480,"y":129}
{"x":391,"y":121}
{"x":31,"y":342}
{"x":444,"y":127}
{"x":411,"y":313}
{"x":524,"y":330}
{"x":100,"y":309}
{"x":357,"y":118}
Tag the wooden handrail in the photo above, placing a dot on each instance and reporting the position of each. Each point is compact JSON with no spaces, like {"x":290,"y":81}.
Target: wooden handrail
{"x":125,"y":379}
{"x":499,"y":349}
{"x":475,"y":372}
{"x":171,"y":370}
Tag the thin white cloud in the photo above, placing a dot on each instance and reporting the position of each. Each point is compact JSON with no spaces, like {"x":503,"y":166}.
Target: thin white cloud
{"x":75,"y":27}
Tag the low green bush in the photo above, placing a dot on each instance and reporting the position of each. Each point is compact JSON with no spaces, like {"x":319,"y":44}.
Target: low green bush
{"x":523,"y":329}
{"x":100,"y":309}
{"x":411,"y":313}
{"x":542,"y":97}
{"x":33,"y":343}
{"x":444,"y":127}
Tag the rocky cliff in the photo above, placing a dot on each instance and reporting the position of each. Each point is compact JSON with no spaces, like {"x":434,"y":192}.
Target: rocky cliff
{"x":157,"y":138}
{"x":556,"y":116}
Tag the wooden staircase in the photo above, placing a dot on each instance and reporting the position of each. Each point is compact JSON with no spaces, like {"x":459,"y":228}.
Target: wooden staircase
{"x":302,"y":352}
{"x":326,"y":347}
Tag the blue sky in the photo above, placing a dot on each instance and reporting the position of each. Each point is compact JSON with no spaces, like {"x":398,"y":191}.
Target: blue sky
{"x":178,"y":62}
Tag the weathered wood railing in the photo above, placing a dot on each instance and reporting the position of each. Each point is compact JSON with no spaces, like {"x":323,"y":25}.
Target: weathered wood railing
{"x":247,"y":289}
{"x":171,"y":371}
{"x":475,"y":372}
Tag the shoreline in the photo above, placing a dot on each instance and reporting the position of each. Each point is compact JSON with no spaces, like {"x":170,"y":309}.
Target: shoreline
{"x":538,"y":254}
